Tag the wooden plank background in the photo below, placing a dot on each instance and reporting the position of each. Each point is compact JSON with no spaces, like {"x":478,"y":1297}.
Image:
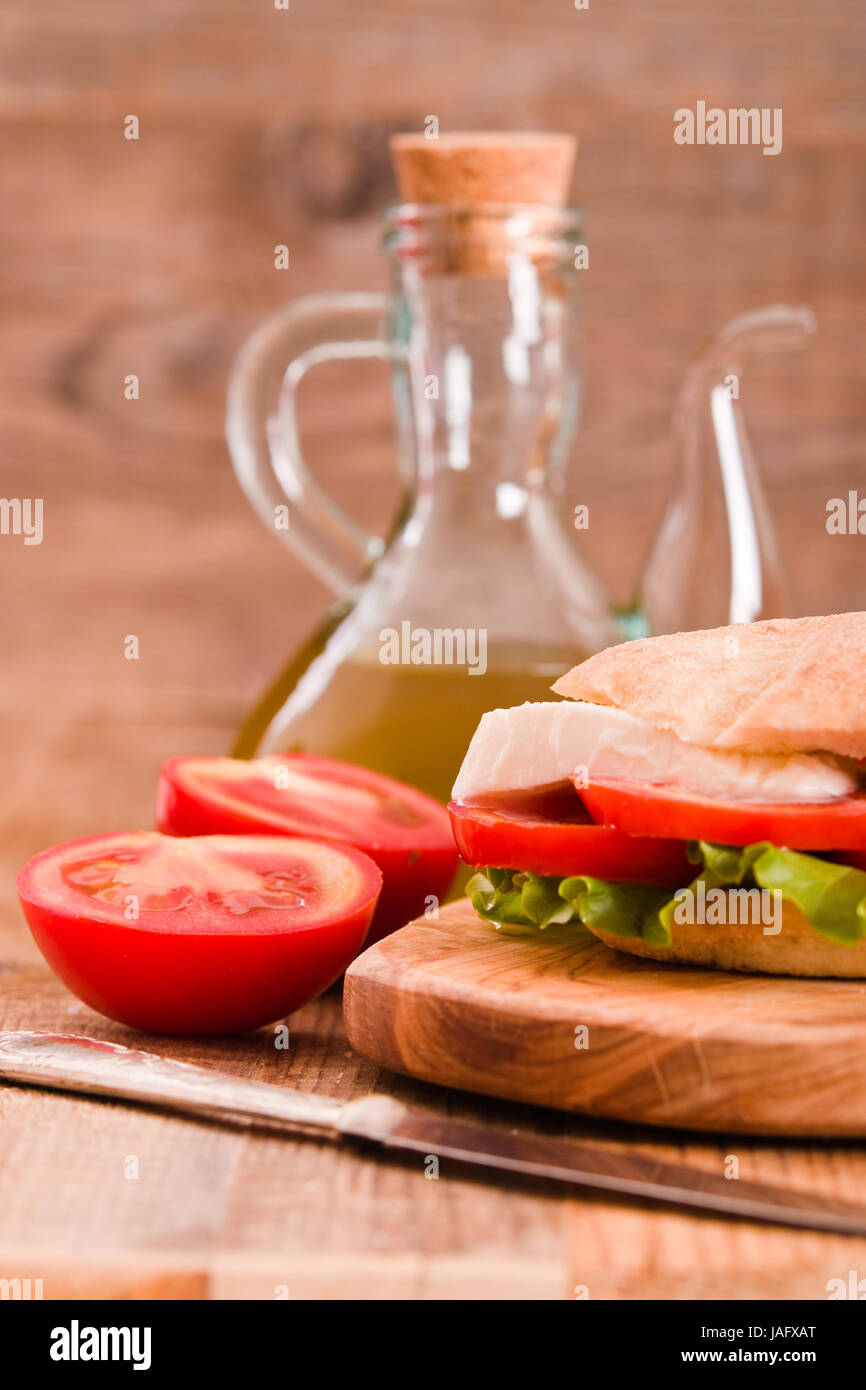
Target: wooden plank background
{"x":155,"y":257}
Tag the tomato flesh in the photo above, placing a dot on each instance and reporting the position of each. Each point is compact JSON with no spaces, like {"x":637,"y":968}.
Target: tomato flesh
{"x":552,"y":834}
{"x":665,"y":811}
{"x":403,"y":831}
{"x":217,"y":934}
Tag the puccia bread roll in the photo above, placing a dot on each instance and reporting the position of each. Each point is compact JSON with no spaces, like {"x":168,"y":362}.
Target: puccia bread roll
{"x":741,"y":945}
{"x":695,"y":798}
{"x":785,"y":686}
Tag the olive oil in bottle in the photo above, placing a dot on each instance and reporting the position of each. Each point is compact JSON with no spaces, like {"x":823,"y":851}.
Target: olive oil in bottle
{"x":413,"y":722}
{"x":480,"y":327}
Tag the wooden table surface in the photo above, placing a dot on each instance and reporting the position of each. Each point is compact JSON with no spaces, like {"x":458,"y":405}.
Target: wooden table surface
{"x":217,"y":1213}
{"x":156,"y":258}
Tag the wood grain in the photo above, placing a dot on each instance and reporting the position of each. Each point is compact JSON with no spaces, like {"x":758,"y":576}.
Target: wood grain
{"x":219,"y":1213}
{"x":453,"y":1001}
{"x":156,"y":257}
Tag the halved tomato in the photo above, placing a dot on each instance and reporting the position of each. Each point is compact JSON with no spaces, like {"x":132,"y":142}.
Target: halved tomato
{"x":641,"y":808}
{"x":552,"y":833}
{"x":200,"y":936}
{"x":405,"y":832}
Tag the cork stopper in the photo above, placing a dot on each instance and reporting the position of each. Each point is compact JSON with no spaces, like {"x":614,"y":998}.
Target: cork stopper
{"x":468,"y":168}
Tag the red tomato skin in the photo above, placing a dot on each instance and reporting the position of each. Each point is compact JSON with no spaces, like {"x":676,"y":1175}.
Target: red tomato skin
{"x":142,"y":979}
{"x":410,"y":876}
{"x":487,"y":837}
{"x":192,"y":983}
{"x":650,"y":810}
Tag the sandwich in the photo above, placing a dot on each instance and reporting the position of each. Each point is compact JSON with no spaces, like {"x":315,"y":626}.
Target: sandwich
{"x":697,"y":798}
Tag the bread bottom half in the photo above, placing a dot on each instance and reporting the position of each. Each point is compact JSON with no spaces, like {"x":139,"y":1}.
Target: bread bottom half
{"x":796,"y":950}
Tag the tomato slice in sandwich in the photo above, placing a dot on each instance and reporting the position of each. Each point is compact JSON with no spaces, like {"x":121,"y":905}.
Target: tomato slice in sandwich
{"x":552,"y":834}
{"x":403,"y":831}
{"x":216,"y":934}
{"x":642,"y":808}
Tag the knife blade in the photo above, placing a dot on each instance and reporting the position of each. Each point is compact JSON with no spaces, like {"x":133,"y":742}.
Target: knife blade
{"x":66,"y":1062}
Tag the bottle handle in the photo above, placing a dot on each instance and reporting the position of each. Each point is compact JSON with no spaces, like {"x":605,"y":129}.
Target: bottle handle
{"x":757,"y":584}
{"x":262,"y":430}
{"x":709,"y":424}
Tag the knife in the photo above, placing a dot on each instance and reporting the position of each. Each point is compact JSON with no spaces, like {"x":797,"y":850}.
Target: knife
{"x":65,"y":1062}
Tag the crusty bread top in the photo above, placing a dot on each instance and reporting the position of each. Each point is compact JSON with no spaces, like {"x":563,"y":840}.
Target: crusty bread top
{"x":795,"y":685}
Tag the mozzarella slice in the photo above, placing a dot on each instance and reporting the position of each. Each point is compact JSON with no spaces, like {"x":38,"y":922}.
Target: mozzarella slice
{"x":537,"y":745}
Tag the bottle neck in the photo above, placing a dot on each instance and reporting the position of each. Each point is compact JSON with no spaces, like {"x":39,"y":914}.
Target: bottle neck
{"x":487,"y":372}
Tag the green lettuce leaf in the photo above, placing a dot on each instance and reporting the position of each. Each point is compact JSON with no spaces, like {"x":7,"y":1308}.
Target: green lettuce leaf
{"x":513,"y":899}
{"x":832,"y":897}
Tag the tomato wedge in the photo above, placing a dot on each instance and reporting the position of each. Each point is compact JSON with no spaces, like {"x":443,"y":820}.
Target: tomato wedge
{"x":641,"y":808}
{"x":405,"y":832}
{"x":553,"y":834}
{"x":201,"y":936}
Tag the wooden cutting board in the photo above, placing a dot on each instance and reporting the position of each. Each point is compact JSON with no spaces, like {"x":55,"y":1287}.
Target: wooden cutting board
{"x":560,"y":1020}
